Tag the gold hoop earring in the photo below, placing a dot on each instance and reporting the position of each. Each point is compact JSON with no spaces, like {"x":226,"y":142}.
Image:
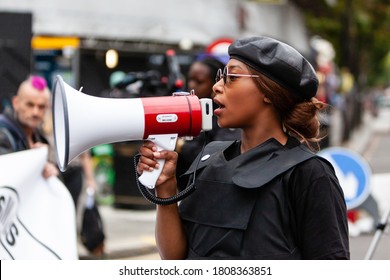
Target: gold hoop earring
{"x":266,"y":100}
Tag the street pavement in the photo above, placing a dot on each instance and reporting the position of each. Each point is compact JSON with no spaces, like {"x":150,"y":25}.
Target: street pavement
{"x":130,"y":233}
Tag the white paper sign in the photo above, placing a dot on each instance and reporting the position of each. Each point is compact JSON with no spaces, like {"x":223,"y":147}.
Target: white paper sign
{"x":37,"y":215}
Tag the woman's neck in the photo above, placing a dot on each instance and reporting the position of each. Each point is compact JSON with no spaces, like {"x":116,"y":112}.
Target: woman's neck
{"x":251,"y":139}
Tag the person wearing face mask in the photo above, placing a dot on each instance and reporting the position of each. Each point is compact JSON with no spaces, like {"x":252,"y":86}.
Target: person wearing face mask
{"x":267,"y":195}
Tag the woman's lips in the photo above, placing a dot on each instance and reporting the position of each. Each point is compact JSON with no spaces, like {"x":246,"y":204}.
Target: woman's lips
{"x":220,"y":107}
{"x":219,"y":110}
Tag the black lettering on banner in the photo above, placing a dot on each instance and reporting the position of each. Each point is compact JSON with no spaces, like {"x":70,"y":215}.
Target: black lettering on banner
{"x":8,"y":209}
{"x":2,"y":202}
{"x":14,"y":234}
{"x":11,"y":235}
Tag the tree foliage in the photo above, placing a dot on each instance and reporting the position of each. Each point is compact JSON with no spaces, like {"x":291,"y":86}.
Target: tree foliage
{"x":359,"y":31}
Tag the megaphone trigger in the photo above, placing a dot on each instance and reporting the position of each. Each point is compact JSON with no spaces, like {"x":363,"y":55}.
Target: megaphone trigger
{"x":163,"y":142}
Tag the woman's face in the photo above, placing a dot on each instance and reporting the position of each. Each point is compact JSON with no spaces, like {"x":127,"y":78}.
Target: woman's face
{"x":199,"y":80}
{"x":240,"y":101}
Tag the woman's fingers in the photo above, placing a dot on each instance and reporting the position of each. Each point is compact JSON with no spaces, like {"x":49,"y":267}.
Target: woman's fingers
{"x":147,"y":161}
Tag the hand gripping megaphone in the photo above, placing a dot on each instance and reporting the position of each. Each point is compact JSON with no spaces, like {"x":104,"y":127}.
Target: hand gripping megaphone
{"x":83,"y":121}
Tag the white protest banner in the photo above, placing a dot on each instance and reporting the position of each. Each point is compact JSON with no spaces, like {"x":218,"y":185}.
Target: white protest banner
{"x":37,"y":215}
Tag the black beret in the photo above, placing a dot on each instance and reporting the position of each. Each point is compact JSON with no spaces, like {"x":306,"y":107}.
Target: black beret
{"x":279,"y":62}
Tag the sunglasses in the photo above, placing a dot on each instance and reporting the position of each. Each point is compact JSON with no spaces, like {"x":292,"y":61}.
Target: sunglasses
{"x":228,"y":78}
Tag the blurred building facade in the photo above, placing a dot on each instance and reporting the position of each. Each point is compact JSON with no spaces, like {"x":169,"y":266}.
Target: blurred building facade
{"x":136,"y":28}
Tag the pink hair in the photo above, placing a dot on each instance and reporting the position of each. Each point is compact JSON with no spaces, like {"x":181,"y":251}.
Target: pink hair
{"x":38,"y":83}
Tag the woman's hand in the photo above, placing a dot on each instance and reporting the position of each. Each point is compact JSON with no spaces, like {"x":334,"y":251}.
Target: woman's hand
{"x":148,"y":162}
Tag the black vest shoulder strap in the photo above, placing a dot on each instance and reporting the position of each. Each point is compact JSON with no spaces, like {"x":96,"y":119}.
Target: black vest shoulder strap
{"x":281,"y":162}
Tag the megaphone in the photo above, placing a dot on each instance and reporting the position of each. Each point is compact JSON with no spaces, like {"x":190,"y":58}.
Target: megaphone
{"x":83,"y":121}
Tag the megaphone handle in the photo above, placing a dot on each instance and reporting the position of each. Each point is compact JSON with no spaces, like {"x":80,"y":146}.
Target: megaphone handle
{"x":163,"y":142}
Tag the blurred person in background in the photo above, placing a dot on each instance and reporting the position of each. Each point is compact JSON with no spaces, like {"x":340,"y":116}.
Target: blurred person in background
{"x":28,"y":125}
{"x":21,"y":127}
{"x":79,"y":176}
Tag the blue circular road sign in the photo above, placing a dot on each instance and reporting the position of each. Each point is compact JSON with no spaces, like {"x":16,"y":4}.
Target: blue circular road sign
{"x":353,"y":172}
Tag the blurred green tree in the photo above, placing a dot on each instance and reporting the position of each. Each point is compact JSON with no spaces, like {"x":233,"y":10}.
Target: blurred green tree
{"x":359,"y":31}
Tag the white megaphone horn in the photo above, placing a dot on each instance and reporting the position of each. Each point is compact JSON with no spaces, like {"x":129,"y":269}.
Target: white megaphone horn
{"x":83,"y":121}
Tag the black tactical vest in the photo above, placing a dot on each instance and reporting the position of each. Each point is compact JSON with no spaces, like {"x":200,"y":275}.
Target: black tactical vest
{"x":241,"y":207}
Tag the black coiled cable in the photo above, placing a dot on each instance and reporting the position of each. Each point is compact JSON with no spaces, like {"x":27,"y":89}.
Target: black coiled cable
{"x":147,"y":193}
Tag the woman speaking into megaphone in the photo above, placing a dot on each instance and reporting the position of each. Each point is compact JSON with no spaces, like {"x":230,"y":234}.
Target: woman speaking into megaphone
{"x":266,"y":196}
